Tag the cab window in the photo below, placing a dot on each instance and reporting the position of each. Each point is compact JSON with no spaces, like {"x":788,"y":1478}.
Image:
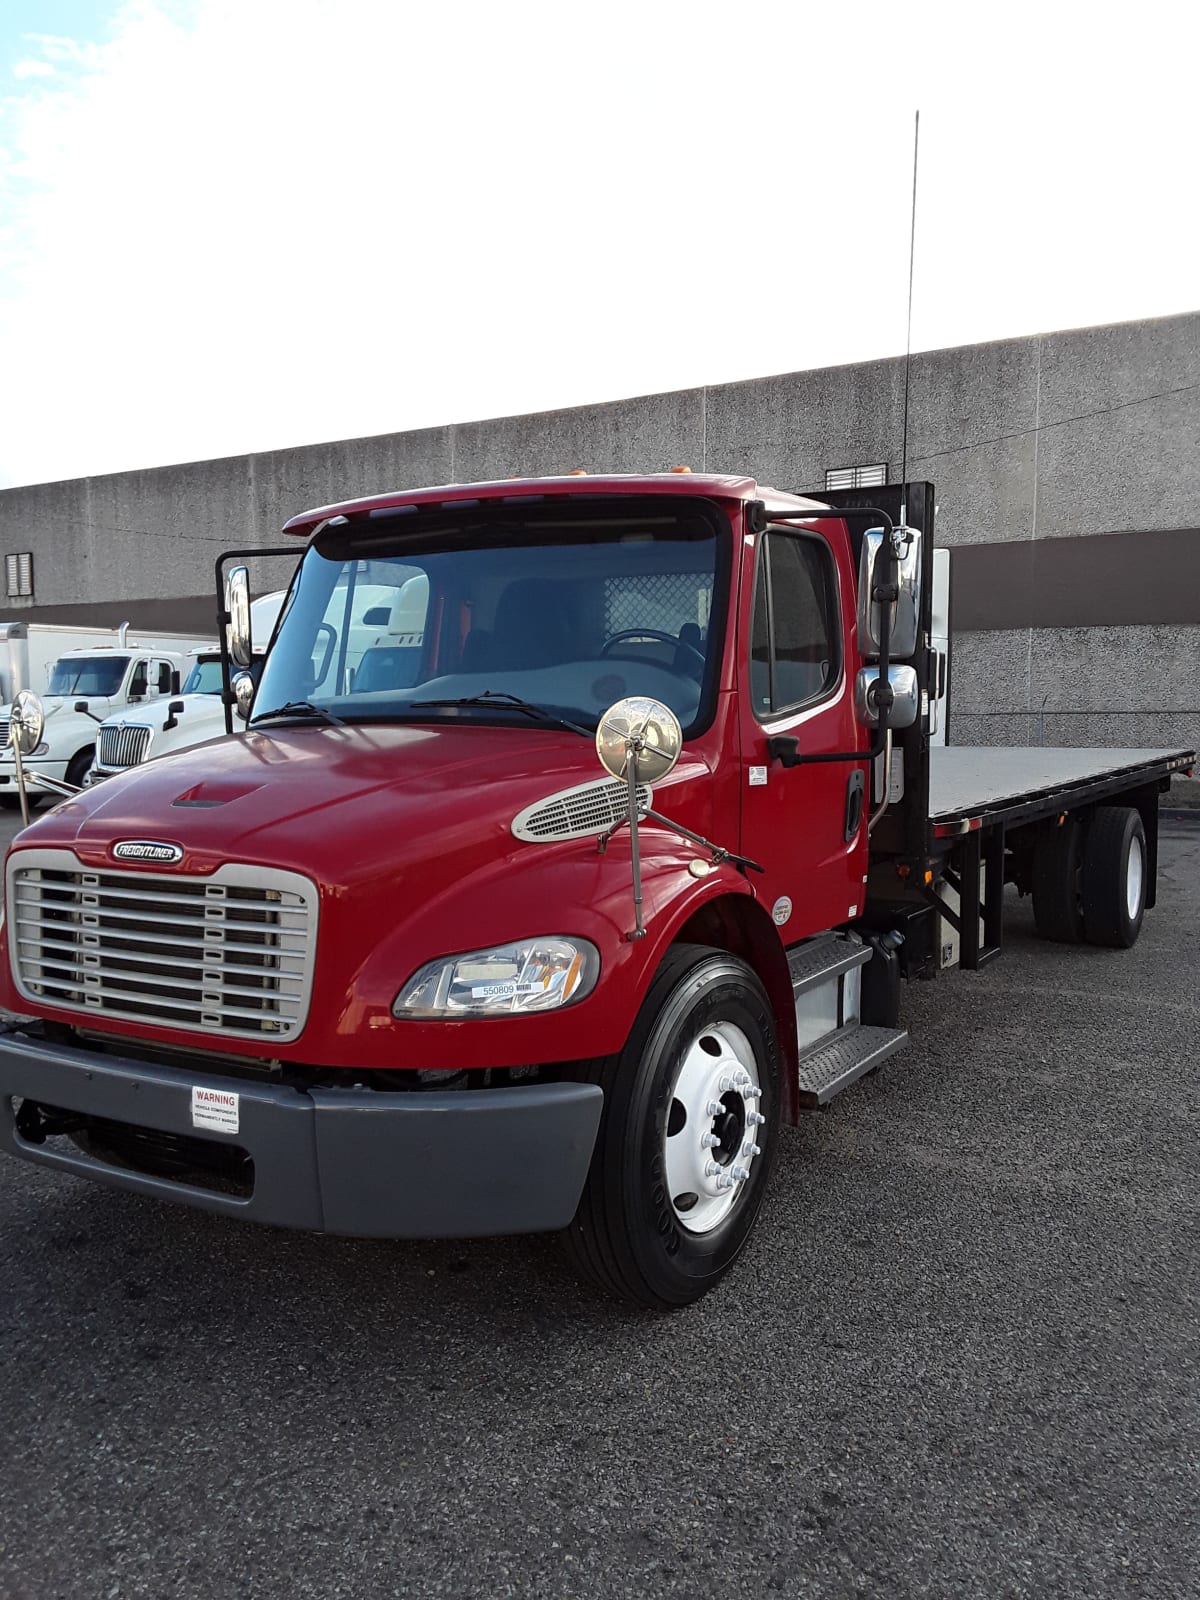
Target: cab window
{"x":795,"y":650}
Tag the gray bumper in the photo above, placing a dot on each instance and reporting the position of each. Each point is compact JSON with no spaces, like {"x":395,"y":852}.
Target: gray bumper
{"x":422,"y":1165}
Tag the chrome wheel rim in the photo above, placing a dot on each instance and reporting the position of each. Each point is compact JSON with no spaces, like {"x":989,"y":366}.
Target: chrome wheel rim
{"x":1135,"y":877}
{"x":714,"y":1127}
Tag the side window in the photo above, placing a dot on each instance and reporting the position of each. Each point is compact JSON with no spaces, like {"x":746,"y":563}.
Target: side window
{"x":164,"y":677}
{"x":137,"y":684}
{"x":795,"y":640}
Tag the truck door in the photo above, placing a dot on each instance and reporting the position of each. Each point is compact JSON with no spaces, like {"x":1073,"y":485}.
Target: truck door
{"x":806,"y":824}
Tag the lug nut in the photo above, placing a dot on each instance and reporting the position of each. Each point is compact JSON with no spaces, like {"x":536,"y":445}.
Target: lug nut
{"x":755,"y":1119}
{"x":740,"y":1174}
{"x":709,"y":1141}
{"x":713,"y":1169}
{"x":751,"y":1091}
{"x":714,"y":1108}
{"x":750,"y":1149}
{"x":725,"y":1182}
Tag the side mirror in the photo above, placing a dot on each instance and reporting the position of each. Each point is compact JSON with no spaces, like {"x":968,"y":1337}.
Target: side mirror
{"x":243,"y":694}
{"x":28,"y":722}
{"x":173,"y":710}
{"x":906,"y":697}
{"x":237,"y":604}
{"x":638,"y":740}
{"x":906,"y":608}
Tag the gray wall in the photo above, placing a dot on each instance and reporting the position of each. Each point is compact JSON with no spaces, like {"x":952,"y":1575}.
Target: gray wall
{"x":1092,"y":431}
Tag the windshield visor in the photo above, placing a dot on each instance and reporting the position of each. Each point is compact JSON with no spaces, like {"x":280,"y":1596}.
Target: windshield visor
{"x":91,"y":675}
{"x":569,"y":606}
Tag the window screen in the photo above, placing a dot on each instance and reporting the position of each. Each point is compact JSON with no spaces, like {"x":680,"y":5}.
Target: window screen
{"x":867,"y":477}
{"x":794,"y":643}
{"x":19,"y":571}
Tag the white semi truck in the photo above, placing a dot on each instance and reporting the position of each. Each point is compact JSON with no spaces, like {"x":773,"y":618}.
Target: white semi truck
{"x":378,"y":620}
{"x":83,"y":684}
{"x":198,"y":713}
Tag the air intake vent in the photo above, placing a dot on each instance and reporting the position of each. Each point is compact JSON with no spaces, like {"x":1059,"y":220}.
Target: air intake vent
{"x":576,"y":813}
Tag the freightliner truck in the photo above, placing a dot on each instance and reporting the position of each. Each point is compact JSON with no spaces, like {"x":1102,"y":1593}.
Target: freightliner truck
{"x":545,"y":918}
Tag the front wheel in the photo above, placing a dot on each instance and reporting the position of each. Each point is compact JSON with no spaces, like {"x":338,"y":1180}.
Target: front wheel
{"x":691,"y":1119}
{"x":79,"y":766}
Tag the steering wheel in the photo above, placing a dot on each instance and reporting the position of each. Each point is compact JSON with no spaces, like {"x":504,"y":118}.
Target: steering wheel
{"x":654,"y":633}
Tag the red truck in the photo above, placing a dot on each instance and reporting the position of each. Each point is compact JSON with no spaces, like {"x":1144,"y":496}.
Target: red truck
{"x":405,"y":960}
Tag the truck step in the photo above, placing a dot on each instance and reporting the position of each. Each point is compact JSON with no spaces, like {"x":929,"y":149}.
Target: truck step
{"x":843,"y":1059}
{"x":825,"y":957}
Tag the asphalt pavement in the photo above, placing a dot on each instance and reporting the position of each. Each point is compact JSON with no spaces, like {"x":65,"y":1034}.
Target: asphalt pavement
{"x":960,"y":1357}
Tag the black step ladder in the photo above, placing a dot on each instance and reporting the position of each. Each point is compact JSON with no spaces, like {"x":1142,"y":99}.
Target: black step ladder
{"x":835,"y":1047}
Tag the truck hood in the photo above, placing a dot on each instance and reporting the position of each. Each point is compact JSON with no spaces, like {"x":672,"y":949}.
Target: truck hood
{"x":156,"y":712}
{"x":54,"y":704}
{"x":342,"y":805}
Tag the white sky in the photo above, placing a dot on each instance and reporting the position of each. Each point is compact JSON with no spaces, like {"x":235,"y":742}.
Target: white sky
{"x":229,"y":225}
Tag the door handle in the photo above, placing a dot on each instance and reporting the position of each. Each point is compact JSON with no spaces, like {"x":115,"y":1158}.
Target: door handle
{"x":855,"y":799}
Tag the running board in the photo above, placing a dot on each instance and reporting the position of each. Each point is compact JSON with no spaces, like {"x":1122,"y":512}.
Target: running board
{"x":833,"y":1066}
{"x":818,"y":960}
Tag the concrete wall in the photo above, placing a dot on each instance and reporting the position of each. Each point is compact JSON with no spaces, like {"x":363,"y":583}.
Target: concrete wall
{"x":1092,"y":431}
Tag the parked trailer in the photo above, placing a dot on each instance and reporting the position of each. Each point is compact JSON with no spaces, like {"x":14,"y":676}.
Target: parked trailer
{"x":404,"y":962}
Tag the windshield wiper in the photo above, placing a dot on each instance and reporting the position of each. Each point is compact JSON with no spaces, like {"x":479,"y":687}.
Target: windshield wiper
{"x":503,"y":701}
{"x":297,"y":708}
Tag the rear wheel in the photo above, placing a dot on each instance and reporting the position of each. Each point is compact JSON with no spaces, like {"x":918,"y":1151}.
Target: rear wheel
{"x":691,"y":1116}
{"x":1114,"y":877}
{"x":1057,"y":888}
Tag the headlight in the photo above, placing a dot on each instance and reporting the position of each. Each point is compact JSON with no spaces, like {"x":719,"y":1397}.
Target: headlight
{"x":509,"y":980}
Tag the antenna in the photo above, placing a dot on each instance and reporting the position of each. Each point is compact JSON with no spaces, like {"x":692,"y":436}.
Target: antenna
{"x":912,"y":245}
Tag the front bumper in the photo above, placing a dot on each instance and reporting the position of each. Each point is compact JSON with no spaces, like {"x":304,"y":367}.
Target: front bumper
{"x":417,"y":1165}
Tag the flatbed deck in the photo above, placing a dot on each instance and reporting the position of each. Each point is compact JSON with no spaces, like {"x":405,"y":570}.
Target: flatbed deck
{"x":987,"y":781}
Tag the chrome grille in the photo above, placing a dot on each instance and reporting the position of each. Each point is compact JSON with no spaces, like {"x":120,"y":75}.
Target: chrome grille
{"x":229,"y":954}
{"x":575,"y":813}
{"x":4,"y":724}
{"x":122,"y":747}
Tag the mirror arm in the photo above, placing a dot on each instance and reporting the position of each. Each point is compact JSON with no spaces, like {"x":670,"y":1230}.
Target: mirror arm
{"x":635,"y":845}
{"x":84,"y":710}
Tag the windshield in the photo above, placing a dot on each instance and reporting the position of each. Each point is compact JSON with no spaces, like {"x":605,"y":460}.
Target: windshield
{"x":88,"y":675}
{"x":205,"y":676}
{"x":567,"y":606}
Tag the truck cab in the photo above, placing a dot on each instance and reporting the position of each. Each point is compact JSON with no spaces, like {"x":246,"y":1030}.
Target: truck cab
{"x":581,"y":832}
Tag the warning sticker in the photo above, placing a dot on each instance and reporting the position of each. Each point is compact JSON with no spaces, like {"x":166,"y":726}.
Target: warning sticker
{"x":216,"y":1109}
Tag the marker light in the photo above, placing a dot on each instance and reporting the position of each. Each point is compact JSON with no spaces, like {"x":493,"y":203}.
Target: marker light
{"x":508,"y":980}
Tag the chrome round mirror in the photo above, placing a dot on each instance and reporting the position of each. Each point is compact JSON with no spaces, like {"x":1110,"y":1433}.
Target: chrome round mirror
{"x":28,"y":721}
{"x":243,"y":694}
{"x":237,"y":604}
{"x":640,"y":730}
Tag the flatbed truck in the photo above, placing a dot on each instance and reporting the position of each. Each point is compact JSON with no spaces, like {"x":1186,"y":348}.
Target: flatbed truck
{"x":406,"y":961}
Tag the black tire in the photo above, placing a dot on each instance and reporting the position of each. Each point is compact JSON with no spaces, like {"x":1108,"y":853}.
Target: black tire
{"x":1114,"y":877}
{"x":1057,"y":885}
{"x":79,"y":766}
{"x":627,"y":1235}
